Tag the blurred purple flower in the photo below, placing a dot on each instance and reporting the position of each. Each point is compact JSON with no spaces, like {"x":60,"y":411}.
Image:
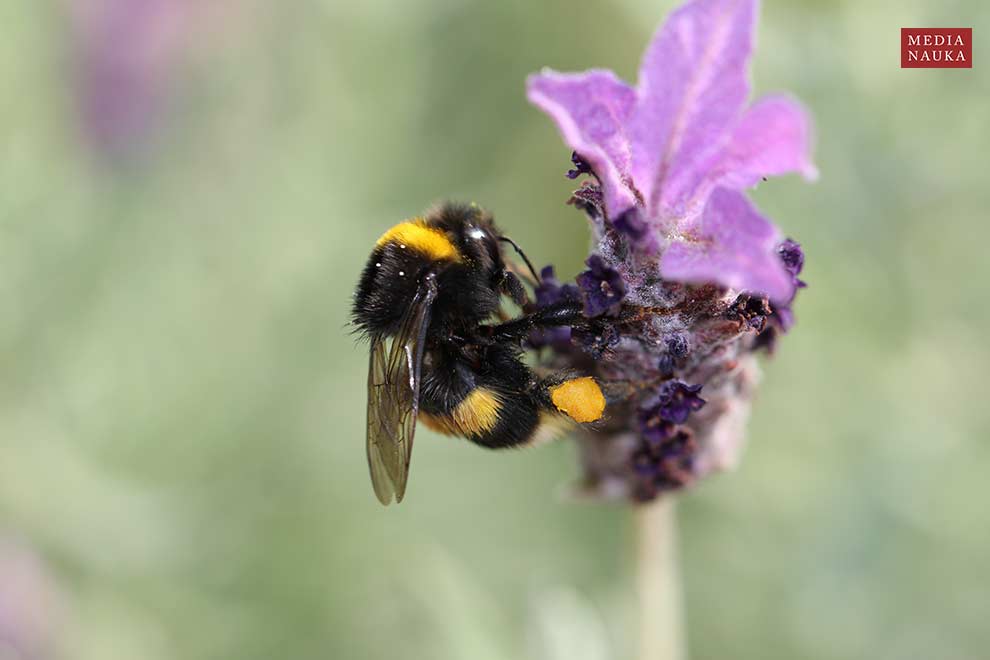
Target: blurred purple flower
{"x":664,"y":459}
{"x":664,"y":465}
{"x":29,"y":604}
{"x":672,"y":154}
{"x":125,"y":53}
{"x":676,"y":400}
{"x":686,"y":278}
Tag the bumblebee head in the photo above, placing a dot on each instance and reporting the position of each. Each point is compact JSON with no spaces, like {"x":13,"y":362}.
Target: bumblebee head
{"x":472,"y":231}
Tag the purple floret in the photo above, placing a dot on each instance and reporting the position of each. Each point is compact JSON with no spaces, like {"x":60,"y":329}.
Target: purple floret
{"x":581,"y":166}
{"x":550,"y":292}
{"x":792,"y":256}
{"x":664,"y":466}
{"x":676,"y":400}
{"x":630,"y":223}
{"x":602,"y":288}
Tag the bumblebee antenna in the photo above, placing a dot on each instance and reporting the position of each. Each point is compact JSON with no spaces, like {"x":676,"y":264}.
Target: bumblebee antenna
{"x":522,"y":254}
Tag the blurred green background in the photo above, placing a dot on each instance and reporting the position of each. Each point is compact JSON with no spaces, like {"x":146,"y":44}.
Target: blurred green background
{"x":182,"y":407}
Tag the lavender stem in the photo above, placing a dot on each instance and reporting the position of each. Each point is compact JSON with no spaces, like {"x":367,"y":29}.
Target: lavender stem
{"x":661,"y":626}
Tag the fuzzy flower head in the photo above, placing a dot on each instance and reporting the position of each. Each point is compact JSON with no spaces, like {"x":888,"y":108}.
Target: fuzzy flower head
{"x":691,"y":275}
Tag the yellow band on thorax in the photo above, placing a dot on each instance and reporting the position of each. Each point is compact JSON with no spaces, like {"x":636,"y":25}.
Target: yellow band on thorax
{"x":417,"y":235}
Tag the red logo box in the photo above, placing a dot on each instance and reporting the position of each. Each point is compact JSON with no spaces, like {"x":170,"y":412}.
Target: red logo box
{"x":936,"y":48}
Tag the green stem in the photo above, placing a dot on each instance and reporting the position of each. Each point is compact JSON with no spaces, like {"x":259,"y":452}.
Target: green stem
{"x":661,"y":618}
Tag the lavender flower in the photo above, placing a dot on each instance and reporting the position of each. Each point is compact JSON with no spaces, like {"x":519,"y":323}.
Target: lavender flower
{"x":692,"y":277}
{"x":677,"y":149}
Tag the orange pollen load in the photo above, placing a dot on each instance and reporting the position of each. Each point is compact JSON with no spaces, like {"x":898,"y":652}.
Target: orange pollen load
{"x":579,"y":398}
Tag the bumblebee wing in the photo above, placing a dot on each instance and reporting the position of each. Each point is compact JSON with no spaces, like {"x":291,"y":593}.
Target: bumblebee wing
{"x":381,"y":451}
{"x":393,"y":396}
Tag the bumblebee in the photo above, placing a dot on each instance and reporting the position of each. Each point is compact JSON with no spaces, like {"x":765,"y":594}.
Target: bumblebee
{"x":429,"y":301}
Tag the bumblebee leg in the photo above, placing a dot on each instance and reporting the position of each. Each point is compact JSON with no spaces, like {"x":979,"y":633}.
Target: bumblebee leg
{"x":511,"y":286}
{"x":563,"y":403}
{"x":564,"y":313}
{"x":533,"y":409}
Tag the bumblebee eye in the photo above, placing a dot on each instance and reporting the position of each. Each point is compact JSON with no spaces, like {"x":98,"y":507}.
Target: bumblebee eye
{"x":476,"y":233}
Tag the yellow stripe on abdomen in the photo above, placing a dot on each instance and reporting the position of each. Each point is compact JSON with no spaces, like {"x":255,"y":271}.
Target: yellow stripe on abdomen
{"x":439,"y":423}
{"x":478,"y":413}
{"x":417,"y":235}
{"x":475,"y":415}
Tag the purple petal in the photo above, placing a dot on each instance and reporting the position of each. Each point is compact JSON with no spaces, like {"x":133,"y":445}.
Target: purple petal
{"x":733,"y":245}
{"x":692,"y":87}
{"x":773,"y":137}
{"x":590,"y":110}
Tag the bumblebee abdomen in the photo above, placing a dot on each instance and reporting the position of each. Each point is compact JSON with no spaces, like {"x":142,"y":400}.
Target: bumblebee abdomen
{"x":499,"y":402}
{"x":487,"y":417}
